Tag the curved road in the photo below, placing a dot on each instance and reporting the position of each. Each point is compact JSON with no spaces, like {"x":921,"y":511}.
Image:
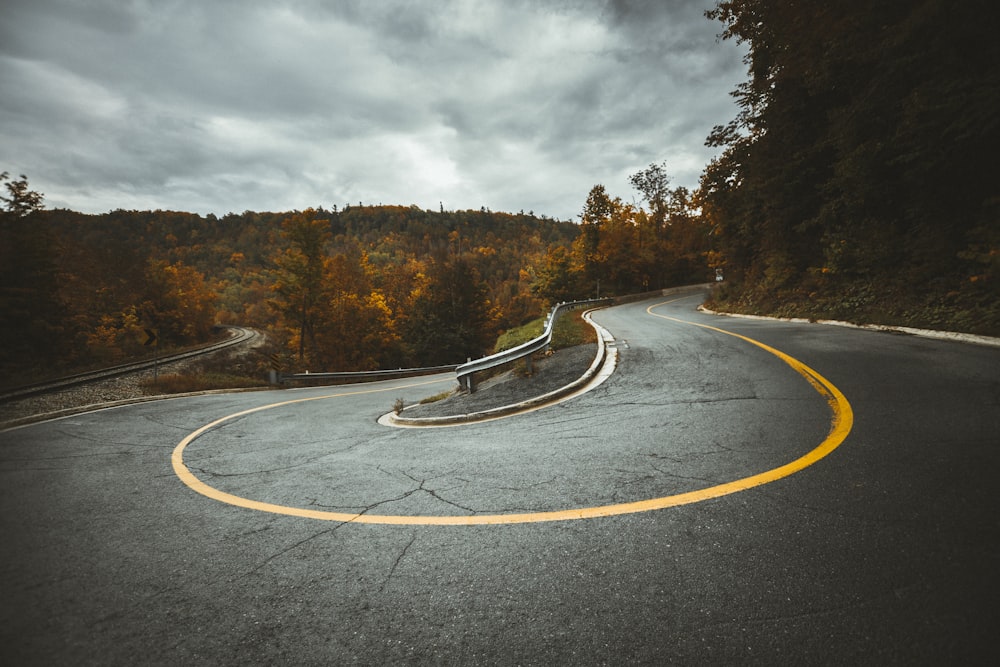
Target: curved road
{"x":239,"y":336}
{"x":250,"y":528}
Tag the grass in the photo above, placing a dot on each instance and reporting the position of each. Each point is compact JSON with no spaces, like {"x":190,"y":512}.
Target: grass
{"x":522,"y":334}
{"x":178,"y":383}
{"x":570,"y":330}
{"x":222,"y":371}
{"x":436,"y":397}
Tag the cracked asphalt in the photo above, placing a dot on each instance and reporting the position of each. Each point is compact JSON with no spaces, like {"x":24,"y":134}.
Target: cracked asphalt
{"x":883,"y":552}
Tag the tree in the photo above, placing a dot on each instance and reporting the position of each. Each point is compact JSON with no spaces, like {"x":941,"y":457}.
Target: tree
{"x":29,"y":296}
{"x":451,"y":317}
{"x":340,"y":293}
{"x":863,"y":146}
{"x":178,"y":303}
{"x":596,"y":212}
{"x":556,"y":277}
{"x":618,"y":251}
{"x":20,"y":201}
{"x":302,"y":273}
{"x":653,"y":184}
{"x":355,"y":330}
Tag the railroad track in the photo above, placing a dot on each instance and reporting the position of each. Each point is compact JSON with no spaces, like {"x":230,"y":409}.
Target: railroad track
{"x":238,"y":336}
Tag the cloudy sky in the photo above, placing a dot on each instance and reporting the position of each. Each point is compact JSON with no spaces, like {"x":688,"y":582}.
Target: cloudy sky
{"x":234,"y":105}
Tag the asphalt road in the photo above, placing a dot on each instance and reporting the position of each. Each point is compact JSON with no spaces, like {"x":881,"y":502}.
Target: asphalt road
{"x":290,"y":528}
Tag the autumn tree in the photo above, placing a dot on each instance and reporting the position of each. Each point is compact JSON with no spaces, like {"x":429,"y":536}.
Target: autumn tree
{"x":686,"y":242}
{"x":116,"y":335}
{"x":178,"y":303}
{"x":173,"y":300}
{"x":341,"y":292}
{"x":596,"y":212}
{"x":623,"y":248}
{"x":354,"y":328}
{"x":618,"y":251}
{"x":557,"y":277}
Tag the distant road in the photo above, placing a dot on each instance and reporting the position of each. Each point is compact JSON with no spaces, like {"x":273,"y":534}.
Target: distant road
{"x":880,"y":549}
{"x":237,"y":336}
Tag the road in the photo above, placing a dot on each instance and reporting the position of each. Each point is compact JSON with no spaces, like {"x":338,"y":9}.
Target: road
{"x":69,"y":394}
{"x":320,"y":544}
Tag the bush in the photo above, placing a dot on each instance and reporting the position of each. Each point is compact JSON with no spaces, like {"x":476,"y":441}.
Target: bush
{"x":179,"y":383}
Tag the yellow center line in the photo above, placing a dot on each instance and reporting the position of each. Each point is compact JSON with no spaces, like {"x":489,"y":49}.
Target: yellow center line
{"x":840,"y":426}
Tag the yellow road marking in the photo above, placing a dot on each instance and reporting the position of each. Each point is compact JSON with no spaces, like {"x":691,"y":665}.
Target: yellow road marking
{"x":841,"y":423}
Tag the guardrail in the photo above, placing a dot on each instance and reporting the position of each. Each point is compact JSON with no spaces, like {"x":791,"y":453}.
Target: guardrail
{"x":359,"y":376}
{"x":466,"y":372}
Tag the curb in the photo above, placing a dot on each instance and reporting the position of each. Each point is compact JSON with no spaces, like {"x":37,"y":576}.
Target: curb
{"x":975,"y":339}
{"x":604,"y":339}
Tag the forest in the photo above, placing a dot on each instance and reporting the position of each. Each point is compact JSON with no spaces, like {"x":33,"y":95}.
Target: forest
{"x":858,"y":179}
{"x":363,"y":288}
{"x":856,"y":182}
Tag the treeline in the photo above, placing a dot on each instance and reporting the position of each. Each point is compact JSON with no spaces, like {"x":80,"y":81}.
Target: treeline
{"x":858,"y":180}
{"x":82,"y":289}
{"x":362,"y":288}
{"x":624,"y":248}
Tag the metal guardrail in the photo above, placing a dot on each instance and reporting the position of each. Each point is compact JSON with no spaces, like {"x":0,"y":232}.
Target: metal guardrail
{"x":466,"y":372}
{"x":361,"y":376}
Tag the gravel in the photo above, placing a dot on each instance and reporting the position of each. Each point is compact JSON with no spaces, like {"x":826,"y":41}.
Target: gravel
{"x":122,"y":389}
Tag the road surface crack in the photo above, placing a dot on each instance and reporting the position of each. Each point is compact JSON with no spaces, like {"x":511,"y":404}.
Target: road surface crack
{"x":527,"y":486}
{"x":689,"y":478}
{"x":292,"y":547}
{"x":395,"y":563}
{"x":434,"y":494}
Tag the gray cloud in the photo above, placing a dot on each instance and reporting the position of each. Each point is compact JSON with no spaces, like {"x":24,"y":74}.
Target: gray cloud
{"x":218,"y":107}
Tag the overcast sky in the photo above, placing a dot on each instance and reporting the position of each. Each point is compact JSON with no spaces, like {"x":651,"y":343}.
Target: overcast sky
{"x":233,"y":105}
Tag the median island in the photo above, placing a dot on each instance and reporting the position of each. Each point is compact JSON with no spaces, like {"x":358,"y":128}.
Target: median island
{"x":549,"y":373}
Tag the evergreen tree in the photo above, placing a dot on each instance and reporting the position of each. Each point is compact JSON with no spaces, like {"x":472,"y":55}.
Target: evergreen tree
{"x":451,"y":316}
{"x":302,"y":277}
{"x":32,"y":321}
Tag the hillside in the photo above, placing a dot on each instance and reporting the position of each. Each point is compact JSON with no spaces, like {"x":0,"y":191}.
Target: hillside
{"x":361,"y":288}
{"x":80,"y":289}
{"x":857,"y":181}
